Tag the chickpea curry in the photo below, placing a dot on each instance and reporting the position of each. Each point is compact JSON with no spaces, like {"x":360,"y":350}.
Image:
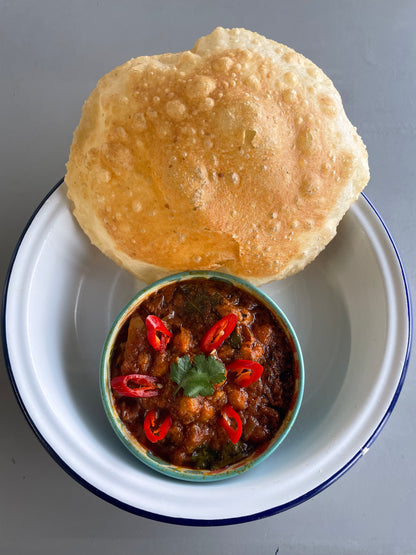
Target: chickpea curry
{"x":203,"y":374}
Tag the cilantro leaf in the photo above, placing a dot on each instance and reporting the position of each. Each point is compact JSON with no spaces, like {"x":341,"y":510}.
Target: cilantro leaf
{"x":197,"y":383}
{"x":211,"y":367}
{"x":235,"y":339}
{"x":199,"y":301}
{"x":180,"y":369}
{"x":197,"y":377}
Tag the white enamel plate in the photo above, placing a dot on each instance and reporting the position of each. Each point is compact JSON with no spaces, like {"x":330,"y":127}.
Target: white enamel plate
{"x":351,"y":310}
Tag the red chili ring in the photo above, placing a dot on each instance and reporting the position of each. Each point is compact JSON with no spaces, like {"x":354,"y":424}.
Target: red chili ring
{"x":246,"y":371}
{"x":157,"y":333}
{"x":219,"y":332}
{"x":153,"y":432}
{"x":146,"y":385}
{"x":227,"y":415}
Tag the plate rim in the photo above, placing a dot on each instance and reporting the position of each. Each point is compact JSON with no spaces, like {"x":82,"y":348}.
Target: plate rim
{"x":189,"y":521}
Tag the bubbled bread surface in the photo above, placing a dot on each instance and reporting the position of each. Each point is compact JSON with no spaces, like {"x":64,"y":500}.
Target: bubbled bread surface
{"x":236,"y":156}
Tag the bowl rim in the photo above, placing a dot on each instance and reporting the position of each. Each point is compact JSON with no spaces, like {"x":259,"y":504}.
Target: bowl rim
{"x":363,"y":212}
{"x":144,"y":455}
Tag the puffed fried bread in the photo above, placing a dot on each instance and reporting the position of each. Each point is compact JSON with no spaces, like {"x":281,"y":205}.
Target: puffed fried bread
{"x":235,"y":156}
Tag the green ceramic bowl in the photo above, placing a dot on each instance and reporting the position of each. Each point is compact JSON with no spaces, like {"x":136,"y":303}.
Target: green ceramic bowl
{"x":145,"y":455}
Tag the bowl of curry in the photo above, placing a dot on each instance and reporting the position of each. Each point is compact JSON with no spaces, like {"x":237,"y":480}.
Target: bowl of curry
{"x":201,"y":376}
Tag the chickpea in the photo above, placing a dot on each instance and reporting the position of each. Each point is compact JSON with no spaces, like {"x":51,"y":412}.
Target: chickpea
{"x":182,"y":341}
{"x":207,"y":412}
{"x":237,"y":398}
{"x":189,"y":409}
{"x":225,"y":352}
{"x":251,"y":351}
{"x":176,"y":434}
{"x":218,"y":399}
{"x":245,"y":316}
{"x":160,"y":365}
{"x":224,"y":309}
{"x":264,"y":333}
{"x":195,"y":436}
{"x":179,"y":457}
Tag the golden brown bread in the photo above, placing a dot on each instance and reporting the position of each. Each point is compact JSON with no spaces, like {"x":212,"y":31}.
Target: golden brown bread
{"x":234,"y":156}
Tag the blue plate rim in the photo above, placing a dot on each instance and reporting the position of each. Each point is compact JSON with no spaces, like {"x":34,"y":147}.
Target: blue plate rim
{"x":201,"y":522}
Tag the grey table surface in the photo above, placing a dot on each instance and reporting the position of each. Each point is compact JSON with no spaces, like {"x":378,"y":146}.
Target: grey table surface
{"x":51,"y":55}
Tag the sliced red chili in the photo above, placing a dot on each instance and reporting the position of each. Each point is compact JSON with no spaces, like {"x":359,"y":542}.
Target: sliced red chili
{"x":231,"y":422}
{"x":153,"y":431}
{"x":219,"y":332}
{"x":145,"y":386}
{"x":157,"y":333}
{"x":245,"y":371}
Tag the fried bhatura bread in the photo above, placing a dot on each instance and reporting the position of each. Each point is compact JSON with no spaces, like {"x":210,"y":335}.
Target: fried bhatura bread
{"x":234,"y":156}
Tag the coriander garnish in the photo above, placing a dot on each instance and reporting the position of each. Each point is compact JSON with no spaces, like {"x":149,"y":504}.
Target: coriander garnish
{"x":197,"y":377}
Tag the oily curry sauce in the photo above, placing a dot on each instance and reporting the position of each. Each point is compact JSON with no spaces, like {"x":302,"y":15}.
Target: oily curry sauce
{"x":189,"y":309}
